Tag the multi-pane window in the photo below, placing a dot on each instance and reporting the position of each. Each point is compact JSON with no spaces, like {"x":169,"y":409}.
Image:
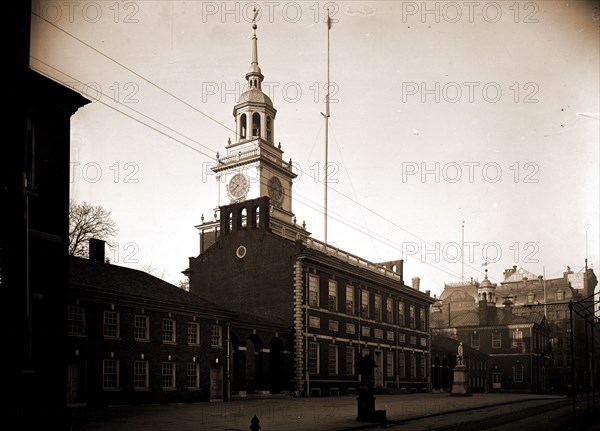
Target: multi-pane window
{"x":389,"y":310}
{"x":530,"y":298}
{"x":517,"y":338}
{"x":332,"y":300}
{"x":349,"y":299}
{"x":168,"y":375}
{"x":193,"y":375}
{"x":313,"y":357}
{"x":111,"y":324}
{"x":412,"y":316}
{"x":378,"y":306}
{"x":423,"y":366}
{"x":402,"y":364}
{"x":496,"y":340}
{"x":390,"y":335}
{"x":168,"y":331}
{"x":402,"y":338}
{"x":423,"y":342}
{"x":140,"y":375}
{"x":141,"y":327}
{"x":364,"y":304}
{"x":518,"y":373}
{"x":313,"y":290}
{"x":559,"y":295}
{"x":314,"y":322}
{"x":76,"y":320}
{"x":413,"y":339}
{"x":365,"y":331}
{"x":350,"y":361}
{"x":401,"y":313}
{"x":475,"y":340}
{"x":110,"y":374}
{"x":350,"y":328}
{"x":378,"y":333}
{"x":389,"y":364}
{"x":334,"y":325}
{"x":216,"y":336}
{"x":422,"y":319}
{"x":413,"y":366}
{"x":193,"y":333}
{"x":332,"y":359}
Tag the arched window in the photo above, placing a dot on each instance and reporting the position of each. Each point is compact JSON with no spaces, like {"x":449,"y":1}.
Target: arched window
{"x":243,"y":126}
{"x":255,"y":125}
{"x":257,"y":216}
{"x":244,"y":218}
{"x":269,"y":129}
{"x":230,"y":221}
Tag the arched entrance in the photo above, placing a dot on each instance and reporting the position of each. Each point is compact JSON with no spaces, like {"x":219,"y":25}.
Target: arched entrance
{"x":276,"y":366}
{"x":253,"y":364}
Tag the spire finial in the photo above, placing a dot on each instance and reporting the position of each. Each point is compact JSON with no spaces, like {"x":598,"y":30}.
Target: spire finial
{"x":486,"y":269}
{"x":254,"y":75}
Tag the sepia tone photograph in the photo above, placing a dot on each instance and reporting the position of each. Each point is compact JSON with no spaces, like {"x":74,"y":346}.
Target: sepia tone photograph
{"x":293,"y":215}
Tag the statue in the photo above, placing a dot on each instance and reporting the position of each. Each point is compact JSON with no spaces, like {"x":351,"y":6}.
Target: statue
{"x":459,"y":356}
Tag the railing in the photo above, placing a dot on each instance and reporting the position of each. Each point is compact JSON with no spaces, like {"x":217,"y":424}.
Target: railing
{"x":242,"y":156}
{"x":351,"y":258}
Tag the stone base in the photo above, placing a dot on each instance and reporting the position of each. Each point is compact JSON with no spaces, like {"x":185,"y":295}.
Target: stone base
{"x":379,"y":416}
{"x":460,"y":387}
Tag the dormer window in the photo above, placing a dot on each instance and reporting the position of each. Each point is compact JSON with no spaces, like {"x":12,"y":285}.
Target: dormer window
{"x":530,"y":298}
{"x":559,"y":295}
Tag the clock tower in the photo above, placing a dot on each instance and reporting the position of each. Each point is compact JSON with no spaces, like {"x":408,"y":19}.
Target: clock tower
{"x":253,"y":165}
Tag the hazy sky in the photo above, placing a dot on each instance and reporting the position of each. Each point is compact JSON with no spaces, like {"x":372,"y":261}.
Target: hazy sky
{"x":442,"y":112}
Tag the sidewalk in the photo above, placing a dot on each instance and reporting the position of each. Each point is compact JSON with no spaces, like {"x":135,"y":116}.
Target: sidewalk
{"x":290,"y":414}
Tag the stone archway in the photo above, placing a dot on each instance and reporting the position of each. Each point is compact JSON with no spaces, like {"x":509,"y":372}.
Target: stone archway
{"x":276,"y":366}
{"x":253,"y":366}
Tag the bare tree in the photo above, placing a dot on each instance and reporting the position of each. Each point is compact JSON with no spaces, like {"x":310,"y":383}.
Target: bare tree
{"x":183,"y":284}
{"x":152,"y":270}
{"x":88,"y":221}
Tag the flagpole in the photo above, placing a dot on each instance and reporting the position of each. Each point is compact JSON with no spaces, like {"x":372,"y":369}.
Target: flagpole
{"x":326,"y":133}
{"x":462,"y":253}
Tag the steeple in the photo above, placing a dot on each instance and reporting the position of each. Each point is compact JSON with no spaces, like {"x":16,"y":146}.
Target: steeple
{"x":254,"y":112}
{"x":253,"y":166}
{"x":254,"y":75}
{"x":487,"y":290}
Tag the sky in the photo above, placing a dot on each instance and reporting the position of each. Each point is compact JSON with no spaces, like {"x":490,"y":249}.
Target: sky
{"x":452,"y":123}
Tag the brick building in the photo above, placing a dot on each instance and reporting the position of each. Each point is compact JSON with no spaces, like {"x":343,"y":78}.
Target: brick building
{"x":254,"y":258}
{"x":533,"y":295}
{"x":133,"y":339}
{"x":34,"y":197}
{"x":518,"y":346}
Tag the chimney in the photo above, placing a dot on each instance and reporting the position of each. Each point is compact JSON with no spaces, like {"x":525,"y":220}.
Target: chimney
{"x":509,"y":271}
{"x":96,"y":250}
{"x":416,"y":283}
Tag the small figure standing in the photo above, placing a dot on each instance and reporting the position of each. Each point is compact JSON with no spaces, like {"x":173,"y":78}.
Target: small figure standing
{"x":459,"y":356}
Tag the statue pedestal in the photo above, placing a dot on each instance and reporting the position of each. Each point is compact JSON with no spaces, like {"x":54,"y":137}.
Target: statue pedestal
{"x":366,"y":407}
{"x":460,"y":387}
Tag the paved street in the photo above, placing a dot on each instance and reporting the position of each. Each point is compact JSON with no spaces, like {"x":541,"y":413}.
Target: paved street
{"x":327,"y":413}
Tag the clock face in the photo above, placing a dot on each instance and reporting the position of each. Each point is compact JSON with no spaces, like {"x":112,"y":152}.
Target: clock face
{"x":275,"y":190}
{"x":238,"y":186}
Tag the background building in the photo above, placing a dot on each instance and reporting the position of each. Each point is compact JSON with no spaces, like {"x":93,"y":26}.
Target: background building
{"x":517,"y":346}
